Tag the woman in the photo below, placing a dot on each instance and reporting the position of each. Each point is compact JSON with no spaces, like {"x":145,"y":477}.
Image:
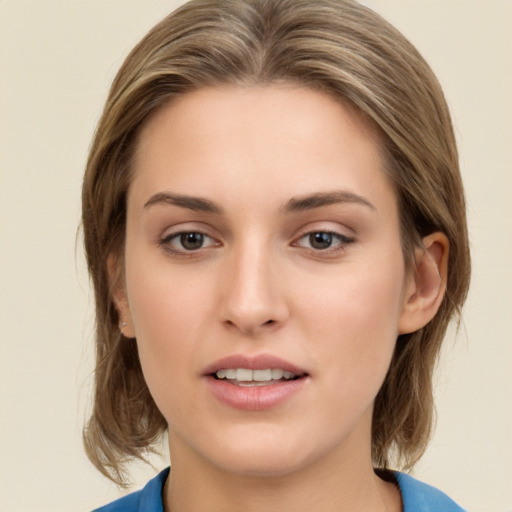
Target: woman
{"x":275,"y":227}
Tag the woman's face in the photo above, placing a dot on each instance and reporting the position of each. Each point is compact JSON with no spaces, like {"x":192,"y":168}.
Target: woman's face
{"x":265,"y":282}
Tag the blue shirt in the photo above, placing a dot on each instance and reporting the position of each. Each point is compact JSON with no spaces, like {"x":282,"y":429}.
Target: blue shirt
{"x":416,"y":496}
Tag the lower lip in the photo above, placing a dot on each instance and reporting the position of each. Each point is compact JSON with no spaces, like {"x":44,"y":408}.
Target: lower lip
{"x":254,"y":398}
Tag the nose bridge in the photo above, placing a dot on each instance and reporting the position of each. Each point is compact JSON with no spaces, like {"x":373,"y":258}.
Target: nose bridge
{"x":252,"y":295}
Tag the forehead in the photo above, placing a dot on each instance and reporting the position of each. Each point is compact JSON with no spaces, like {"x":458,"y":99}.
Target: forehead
{"x":296,"y":108}
{"x":284,"y":137}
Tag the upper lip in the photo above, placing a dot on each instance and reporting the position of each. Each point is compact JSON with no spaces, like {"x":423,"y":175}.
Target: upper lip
{"x":258,"y":362}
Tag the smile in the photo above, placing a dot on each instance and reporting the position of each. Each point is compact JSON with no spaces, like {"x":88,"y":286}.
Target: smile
{"x":254,"y":383}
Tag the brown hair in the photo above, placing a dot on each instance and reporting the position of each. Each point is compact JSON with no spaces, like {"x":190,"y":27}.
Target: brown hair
{"x":335,"y":46}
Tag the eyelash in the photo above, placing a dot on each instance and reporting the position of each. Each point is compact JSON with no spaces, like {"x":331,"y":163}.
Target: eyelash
{"x":166,"y":243}
{"x":342,"y":242}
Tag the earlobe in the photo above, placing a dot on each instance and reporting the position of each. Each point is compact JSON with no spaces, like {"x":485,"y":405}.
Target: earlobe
{"x":118,"y":292}
{"x":426,"y":285}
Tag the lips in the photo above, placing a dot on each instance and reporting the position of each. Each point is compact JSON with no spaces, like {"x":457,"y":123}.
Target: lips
{"x":260,"y":362}
{"x":254,"y":383}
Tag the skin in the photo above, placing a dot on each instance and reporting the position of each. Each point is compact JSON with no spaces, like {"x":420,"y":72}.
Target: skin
{"x":257,"y":285}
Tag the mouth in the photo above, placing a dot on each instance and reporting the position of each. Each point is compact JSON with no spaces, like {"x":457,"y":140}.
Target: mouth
{"x":260,"y":377}
{"x":255,"y":383}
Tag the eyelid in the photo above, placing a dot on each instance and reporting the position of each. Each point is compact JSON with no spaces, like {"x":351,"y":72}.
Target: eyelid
{"x":168,"y":230}
{"x":169,"y":235}
{"x":342,"y":241}
{"x":177,"y":234}
{"x":339,"y":236}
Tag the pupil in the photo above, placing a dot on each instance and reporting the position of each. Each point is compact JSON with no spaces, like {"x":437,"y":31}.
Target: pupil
{"x":192,"y":241}
{"x":320,"y":240}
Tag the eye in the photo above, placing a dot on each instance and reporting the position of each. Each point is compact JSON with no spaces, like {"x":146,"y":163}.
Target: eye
{"x":323,"y":240}
{"x":187,"y":241}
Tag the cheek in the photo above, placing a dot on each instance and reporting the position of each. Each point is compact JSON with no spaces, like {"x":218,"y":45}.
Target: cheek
{"x":166,"y":300}
{"x":162,"y":309}
{"x":354,"y":316}
{"x":168,"y":311}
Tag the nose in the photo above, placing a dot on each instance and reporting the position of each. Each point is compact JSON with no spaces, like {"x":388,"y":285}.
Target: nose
{"x":252,"y":295}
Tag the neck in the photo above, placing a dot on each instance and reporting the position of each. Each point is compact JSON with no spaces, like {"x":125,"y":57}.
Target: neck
{"x":323,"y":486}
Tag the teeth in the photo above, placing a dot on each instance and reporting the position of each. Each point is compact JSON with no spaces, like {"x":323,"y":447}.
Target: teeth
{"x":261,"y":375}
{"x":246,"y":375}
{"x":277,"y":373}
{"x":243,"y":375}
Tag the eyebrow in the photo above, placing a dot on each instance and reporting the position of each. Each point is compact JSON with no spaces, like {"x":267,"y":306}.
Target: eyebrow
{"x":295,"y":204}
{"x":309,"y":202}
{"x":198,"y":204}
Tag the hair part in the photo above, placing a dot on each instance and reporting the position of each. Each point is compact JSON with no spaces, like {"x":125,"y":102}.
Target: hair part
{"x":345,"y":50}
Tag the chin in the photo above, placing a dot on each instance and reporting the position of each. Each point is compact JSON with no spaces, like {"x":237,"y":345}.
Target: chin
{"x":262,"y":465}
{"x":263,"y":455}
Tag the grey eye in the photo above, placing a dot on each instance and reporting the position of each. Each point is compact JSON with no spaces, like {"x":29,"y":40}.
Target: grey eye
{"x":327,"y":241}
{"x":320,"y":240}
{"x":191,"y":241}
{"x":187,"y":241}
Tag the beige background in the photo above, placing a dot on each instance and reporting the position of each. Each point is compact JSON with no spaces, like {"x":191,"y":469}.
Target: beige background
{"x":56,"y":61}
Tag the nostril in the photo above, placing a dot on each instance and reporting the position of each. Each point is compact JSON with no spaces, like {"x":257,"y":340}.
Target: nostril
{"x":251,"y":328}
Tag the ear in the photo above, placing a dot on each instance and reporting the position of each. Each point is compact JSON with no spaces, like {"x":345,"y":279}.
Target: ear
{"x":118,"y":291}
{"x":426,"y":284}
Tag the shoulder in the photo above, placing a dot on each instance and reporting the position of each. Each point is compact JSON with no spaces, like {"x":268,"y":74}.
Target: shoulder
{"x":148,"y":499}
{"x":417,"y":497}
{"x":420,"y":497}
